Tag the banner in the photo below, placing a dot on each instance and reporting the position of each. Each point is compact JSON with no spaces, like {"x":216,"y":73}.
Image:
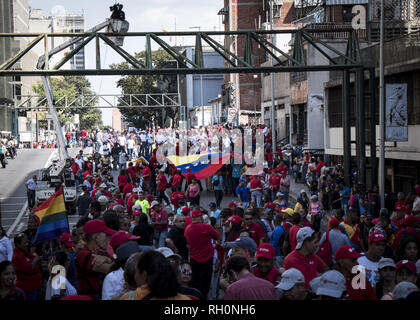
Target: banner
{"x":396,"y":112}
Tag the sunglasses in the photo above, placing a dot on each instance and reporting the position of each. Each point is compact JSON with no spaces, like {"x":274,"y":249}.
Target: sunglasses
{"x":186,"y":271}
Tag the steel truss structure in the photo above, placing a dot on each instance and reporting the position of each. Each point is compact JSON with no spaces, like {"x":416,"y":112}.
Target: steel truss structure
{"x":294,"y":61}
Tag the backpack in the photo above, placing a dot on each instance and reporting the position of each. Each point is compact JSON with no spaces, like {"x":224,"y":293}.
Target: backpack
{"x":325,"y":251}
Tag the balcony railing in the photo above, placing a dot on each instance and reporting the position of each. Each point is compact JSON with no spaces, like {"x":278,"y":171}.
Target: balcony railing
{"x":339,"y":35}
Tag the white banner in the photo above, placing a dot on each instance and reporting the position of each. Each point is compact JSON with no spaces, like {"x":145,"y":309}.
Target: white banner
{"x":396,"y":112}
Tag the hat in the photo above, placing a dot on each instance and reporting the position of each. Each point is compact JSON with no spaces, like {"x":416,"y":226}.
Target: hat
{"x":242,"y":180}
{"x":136,"y":212}
{"x":67,"y":239}
{"x":289,"y":211}
{"x":167,"y":252}
{"x":186,"y":210}
{"x":314,"y":196}
{"x":302,"y":191}
{"x":148,"y":196}
{"x":232,"y":204}
{"x":196,"y":213}
{"x":333,"y":222}
{"x":314,"y":284}
{"x":290,"y":278}
{"x":235,"y":219}
{"x":410,"y":265}
{"x":103,"y":185}
{"x":137,"y":207}
{"x":103,"y":200}
{"x":376,"y":237}
{"x":386,"y":262}
{"x":279,"y":194}
{"x":403,"y":289}
{"x":120,"y":237}
{"x":302,"y":235}
{"x":125,"y":250}
{"x":346,"y":252}
{"x":212,"y":204}
{"x":300,"y":198}
{"x":265,"y":250}
{"x":332,"y":284}
{"x":96,"y":226}
{"x":245,"y":243}
{"x":271,"y":205}
{"x":154,"y":203}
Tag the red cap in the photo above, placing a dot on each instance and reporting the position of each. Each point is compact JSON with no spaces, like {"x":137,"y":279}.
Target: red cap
{"x":96,"y":226}
{"x":235,"y":219}
{"x":410,"y":265}
{"x":196,"y":213}
{"x":333,"y":222}
{"x":186,"y":210}
{"x":136,"y":212}
{"x":346,"y":252}
{"x":67,"y":239}
{"x":271,"y":205}
{"x":409,"y":220}
{"x":98,"y":179}
{"x":265,"y":250}
{"x":148,"y":197}
{"x":188,"y":170}
{"x":376,"y":237}
{"x":120,"y":237}
{"x":232,"y":204}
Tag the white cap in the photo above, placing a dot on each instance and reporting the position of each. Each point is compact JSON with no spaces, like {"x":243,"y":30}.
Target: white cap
{"x":332,"y":284}
{"x":303,"y":191}
{"x":103,"y":200}
{"x":314,"y":196}
{"x":314,"y":284}
{"x":303,"y":234}
{"x":103,"y":185}
{"x":154,"y":203}
{"x":167,"y":252}
{"x":289,"y":278}
{"x":403,"y":289}
{"x":386,"y":262}
{"x":137,"y":207}
{"x":135,"y":190}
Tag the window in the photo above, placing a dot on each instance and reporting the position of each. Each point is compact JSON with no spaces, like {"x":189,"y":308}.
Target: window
{"x":276,"y":11}
{"x":347,"y":14}
{"x":297,"y":77}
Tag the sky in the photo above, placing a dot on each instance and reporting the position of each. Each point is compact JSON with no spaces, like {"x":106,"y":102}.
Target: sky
{"x":143,"y":16}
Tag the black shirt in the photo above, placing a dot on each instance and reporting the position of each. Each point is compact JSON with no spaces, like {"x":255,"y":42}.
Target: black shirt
{"x":177,"y":237}
{"x":145,"y":232}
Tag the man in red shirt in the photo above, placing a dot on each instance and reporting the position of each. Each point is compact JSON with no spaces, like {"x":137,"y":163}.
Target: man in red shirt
{"x":297,"y":220}
{"x":346,"y":259}
{"x":91,"y":262}
{"x":176,"y":181}
{"x":401,"y":205}
{"x":318,"y":168}
{"x":304,"y":258}
{"x":266,"y":258}
{"x":161,"y":187}
{"x":199,"y":238}
{"x":257,"y":233}
{"x":146,"y":173}
{"x":160,"y":223}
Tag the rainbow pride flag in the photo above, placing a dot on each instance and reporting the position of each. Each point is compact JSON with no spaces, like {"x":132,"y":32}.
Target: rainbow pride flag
{"x":202,"y":165}
{"x":53,"y":218}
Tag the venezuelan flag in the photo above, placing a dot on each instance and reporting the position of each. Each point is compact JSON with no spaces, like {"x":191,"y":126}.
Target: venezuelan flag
{"x":53,"y":218}
{"x":202,"y":165}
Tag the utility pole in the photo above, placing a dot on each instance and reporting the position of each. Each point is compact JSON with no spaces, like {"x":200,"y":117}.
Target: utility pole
{"x":273,"y":106}
{"x":201,"y":86}
{"x":382,"y":109}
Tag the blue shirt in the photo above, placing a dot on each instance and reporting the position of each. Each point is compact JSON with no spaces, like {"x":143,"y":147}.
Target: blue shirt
{"x":236,"y":171}
{"x":219,"y":185}
{"x":242,"y":192}
{"x":345,"y":192}
{"x":215,"y":214}
{"x":275,"y":237}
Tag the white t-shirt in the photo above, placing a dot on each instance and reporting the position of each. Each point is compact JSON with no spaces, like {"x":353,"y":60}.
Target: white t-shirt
{"x":121,"y":140}
{"x":130,"y":143}
{"x":113,"y":284}
{"x":371,"y":268}
{"x":31,"y":184}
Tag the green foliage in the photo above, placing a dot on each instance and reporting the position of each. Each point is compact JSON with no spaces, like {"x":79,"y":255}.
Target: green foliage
{"x":72,"y":87}
{"x":141,"y":117}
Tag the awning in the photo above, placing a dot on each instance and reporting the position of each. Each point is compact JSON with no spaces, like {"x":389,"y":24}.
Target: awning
{"x":344,"y":2}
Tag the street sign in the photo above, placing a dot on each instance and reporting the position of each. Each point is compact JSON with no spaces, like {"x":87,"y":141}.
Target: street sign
{"x":232,"y":112}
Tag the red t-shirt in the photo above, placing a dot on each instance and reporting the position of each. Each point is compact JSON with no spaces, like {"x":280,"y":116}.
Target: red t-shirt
{"x":199,"y":237}
{"x":189,"y":176}
{"x":84,"y":134}
{"x":26,"y":277}
{"x":146,"y":171}
{"x":292,"y":236}
{"x":163,"y":182}
{"x":132,"y":172}
{"x":122,"y":180}
{"x":275,"y":181}
{"x":257,"y":232}
{"x":88,"y":281}
{"x":287,"y":225}
{"x":188,"y":221}
{"x":256,"y":183}
{"x":269,"y":156}
{"x":319,"y":167}
{"x":160,"y":216}
{"x":176,"y":180}
{"x":272,"y":276}
{"x":360,"y":294}
{"x":128,"y":188}
{"x":309,"y":265}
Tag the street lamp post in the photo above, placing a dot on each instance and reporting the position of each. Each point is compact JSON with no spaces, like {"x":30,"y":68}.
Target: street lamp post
{"x":201,"y":86}
{"x":273,"y":121}
{"x":382,"y":110}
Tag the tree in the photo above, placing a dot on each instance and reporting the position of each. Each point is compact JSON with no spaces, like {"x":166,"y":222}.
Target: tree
{"x":72,"y":87}
{"x":147,"y":84}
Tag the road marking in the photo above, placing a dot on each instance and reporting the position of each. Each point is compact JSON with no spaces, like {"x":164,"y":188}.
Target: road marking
{"x":20,"y":227}
{"x":8,"y":219}
{"x":3,"y":211}
{"x":12,"y":198}
{"x":11,"y":204}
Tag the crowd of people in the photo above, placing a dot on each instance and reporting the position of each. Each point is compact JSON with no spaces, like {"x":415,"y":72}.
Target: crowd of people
{"x":148,"y":236}
{"x":8,"y":149}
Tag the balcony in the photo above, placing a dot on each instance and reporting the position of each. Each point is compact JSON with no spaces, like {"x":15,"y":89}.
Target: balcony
{"x":338,"y":35}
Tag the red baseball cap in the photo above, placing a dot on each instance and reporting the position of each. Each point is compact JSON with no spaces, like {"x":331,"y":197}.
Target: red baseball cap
{"x":196,"y":213}
{"x":346,"y":252}
{"x":265,"y":250}
{"x":149,"y":196}
{"x":376,"y":237}
{"x":235,"y":219}
{"x":67,"y":239}
{"x":333,"y":222}
{"x":232,"y":204}
{"x":186,"y":210}
{"x":410,"y":265}
{"x":120,"y":237}
{"x":96,"y":226}
{"x":271,"y":205}
{"x":136,"y":212}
